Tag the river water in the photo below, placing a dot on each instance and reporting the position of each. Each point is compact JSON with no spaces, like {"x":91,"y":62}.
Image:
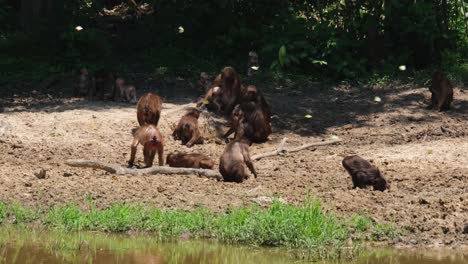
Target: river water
{"x":49,"y":247}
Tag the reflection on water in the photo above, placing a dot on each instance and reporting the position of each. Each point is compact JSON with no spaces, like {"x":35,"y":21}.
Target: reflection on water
{"x":23,"y":246}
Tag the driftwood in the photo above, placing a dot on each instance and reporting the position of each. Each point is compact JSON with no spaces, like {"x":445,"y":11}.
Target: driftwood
{"x":115,"y":169}
{"x":281,"y":150}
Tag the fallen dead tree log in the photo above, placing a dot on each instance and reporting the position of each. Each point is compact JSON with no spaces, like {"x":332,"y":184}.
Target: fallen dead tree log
{"x":115,"y":169}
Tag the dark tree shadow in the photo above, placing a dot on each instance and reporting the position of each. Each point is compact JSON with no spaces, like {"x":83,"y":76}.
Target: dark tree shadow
{"x":331,"y":106}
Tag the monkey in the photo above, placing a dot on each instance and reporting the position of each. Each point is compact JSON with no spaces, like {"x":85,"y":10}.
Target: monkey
{"x":211,"y":100}
{"x":252,"y":64}
{"x":223,"y":99}
{"x":152,"y":141}
{"x":103,"y":87}
{"x":251,"y":118}
{"x":149,"y":109}
{"x":187,"y":129}
{"x":193,"y":160}
{"x":231,"y":162}
{"x":252,"y":94}
{"x":441,"y":92}
{"x":363,"y":173}
{"x":83,"y":83}
{"x":126,"y":92}
{"x":237,"y":118}
{"x":230,"y":89}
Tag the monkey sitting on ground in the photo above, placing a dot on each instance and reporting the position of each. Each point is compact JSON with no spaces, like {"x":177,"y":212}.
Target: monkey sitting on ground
{"x":149,"y":109}
{"x":125,"y":92}
{"x":252,"y":64}
{"x":152,"y":141}
{"x":187,"y":129}
{"x":252,"y":94}
{"x":363,"y":173}
{"x":254,"y":115}
{"x":211,"y":100}
{"x":442,"y":92}
{"x":192,"y":160}
{"x":83,"y":84}
{"x":224,"y":92}
{"x":231,"y":162}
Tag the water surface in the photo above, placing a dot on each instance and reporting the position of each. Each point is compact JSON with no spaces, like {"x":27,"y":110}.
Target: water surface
{"x":34,"y":246}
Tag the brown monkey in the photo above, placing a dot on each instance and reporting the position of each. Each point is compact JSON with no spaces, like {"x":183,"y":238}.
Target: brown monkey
{"x":237,"y":118}
{"x":253,"y":94}
{"x":149,"y":109}
{"x":125,"y":92}
{"x":442,"y":92}
{"x":193,"y":160}
{"x":254,"y":115}
{"x":230,"y":89}
{"x":152,"y":141}
{"x":223,"y":99}
{"x":363,"y":173}
{"x":187,"y":129}
{"x":103,"y":86}
{"x":252,"y":64}
{"x":83,"y":83}
{"x":211,"y":100}
{"x":231,"y":162}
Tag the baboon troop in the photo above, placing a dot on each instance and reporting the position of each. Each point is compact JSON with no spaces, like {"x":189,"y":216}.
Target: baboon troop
{"x":247,"y":110}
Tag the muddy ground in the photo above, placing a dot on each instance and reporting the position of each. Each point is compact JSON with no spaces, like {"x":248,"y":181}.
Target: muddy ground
{"x":422,"y":153}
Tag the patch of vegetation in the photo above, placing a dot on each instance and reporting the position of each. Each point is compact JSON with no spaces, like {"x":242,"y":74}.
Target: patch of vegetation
{"x":304,"y":227}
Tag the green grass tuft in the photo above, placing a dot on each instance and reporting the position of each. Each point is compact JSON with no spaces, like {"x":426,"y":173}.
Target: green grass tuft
{"x":305,"y":226}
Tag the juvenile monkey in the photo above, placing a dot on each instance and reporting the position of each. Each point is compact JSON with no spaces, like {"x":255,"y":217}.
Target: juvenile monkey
{"x":442,"y":92}
{"x":125,"y":92}
{"x":237,"y":119}
{"x":187,"y":129}
{"x":149,"y":109}
{"x":363,"y":173}
{"x":152,"y":141}
{"x":252,"y":64}
{"x":83,"y":83}
{"x":193,"y":160}
{"x":231,"y":162}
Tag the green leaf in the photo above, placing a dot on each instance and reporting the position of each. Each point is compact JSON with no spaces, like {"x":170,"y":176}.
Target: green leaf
{"x":321,"y":62}
{"x":282,"y":55}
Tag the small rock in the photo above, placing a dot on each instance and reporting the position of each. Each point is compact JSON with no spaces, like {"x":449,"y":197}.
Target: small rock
{"x":161,"y":189}
{"x":41,"y":174}
{"x":445,"y":229}
{"x":265,"y":199}
{"x":465,"y":230}
{"x":67,"y":174}
{"x":28,"y":184}
{"x":423,"y":201}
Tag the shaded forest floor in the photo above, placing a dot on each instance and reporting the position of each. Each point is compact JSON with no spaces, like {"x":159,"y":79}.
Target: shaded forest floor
{"x":421,"y":152}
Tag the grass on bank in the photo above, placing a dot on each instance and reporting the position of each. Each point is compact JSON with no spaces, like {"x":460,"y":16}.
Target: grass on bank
{"x":306,"y":226}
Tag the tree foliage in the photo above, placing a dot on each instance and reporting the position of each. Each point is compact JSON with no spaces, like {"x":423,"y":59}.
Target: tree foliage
{"x":340,"y":38}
